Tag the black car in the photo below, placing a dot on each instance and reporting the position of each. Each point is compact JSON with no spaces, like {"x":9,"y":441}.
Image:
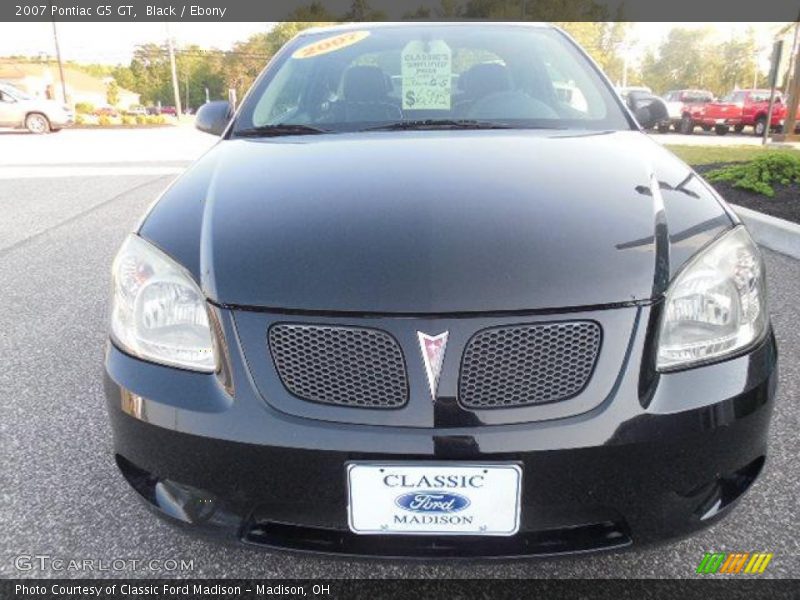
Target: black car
{"x":435,"y":293}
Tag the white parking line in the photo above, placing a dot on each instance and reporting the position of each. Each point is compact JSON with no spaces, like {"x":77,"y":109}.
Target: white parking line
{"x":38,"y":172}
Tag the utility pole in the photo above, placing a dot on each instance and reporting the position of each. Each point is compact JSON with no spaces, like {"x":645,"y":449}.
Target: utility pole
{"x":60,"y":64}
{"x":777,"y":52}
{"x":755,"y":71}
{"x":625,"y":69}
{"x":174,"y":70}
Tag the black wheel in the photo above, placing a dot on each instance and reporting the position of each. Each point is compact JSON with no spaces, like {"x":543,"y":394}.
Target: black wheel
{"x":738,"y":128}
{"x":721,"y":129}
{"x":663,"y":128}
{"x":686,"y":126}
{"x":37,"y":123}
{"x":760,"y":126}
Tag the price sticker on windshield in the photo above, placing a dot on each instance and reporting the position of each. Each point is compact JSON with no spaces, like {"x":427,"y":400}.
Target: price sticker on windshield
{"x":426,"y":69}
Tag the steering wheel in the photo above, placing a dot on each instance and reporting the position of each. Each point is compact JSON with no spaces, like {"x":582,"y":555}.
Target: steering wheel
{"x":510,"y":105}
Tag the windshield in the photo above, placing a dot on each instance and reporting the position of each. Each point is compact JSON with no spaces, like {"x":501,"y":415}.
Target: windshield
{"x":734,"y":97}
{"x":526,"y":77}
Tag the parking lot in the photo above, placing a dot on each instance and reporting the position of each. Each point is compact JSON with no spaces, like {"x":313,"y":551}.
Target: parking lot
{"x":66,"y":202}
{"x":709,"y":138}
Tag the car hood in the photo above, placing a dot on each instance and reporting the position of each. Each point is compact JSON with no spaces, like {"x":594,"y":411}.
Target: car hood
{"x":437,"y":222}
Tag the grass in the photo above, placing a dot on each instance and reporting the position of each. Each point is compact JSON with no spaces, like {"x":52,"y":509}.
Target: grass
{"x":704,"y":155}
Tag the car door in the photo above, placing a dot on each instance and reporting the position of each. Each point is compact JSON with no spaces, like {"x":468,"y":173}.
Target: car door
{"x":9,"y":110}
{"x":758,"y":103}
{"x":751,"y":105}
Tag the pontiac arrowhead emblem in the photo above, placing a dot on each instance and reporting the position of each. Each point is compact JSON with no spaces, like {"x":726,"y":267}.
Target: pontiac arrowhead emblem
{"x":433,"y":347}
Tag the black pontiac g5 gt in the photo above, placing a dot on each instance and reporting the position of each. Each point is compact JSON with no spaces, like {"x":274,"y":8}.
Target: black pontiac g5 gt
{"x":434,"y":293}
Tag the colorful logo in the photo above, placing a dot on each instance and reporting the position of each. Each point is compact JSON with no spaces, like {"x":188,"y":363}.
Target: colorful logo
{"x":734,"y":562}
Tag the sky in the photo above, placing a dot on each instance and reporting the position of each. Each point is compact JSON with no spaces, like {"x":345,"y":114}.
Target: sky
{"x":113,"y":43}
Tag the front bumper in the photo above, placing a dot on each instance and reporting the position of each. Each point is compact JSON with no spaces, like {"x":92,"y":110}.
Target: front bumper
{"x":61,"y":120}
{"x":649,"y":464}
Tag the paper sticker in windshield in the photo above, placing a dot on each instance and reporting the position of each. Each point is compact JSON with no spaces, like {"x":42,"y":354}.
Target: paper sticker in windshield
{"x":330,"y":44}
{"x":426,"y":69}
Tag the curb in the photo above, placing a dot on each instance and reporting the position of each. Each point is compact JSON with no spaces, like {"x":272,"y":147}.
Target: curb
{"x":773,"y":233}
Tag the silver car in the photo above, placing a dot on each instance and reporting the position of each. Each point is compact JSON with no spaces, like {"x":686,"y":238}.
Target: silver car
{"x":18,"y":109}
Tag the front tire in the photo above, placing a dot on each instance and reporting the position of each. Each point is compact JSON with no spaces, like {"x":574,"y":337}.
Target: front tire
{"x":686,"y":125}
{"x":721,"y":129}
{"x":37,"y":123}
{"x":760,"y":126}
{"x":663,"y":128}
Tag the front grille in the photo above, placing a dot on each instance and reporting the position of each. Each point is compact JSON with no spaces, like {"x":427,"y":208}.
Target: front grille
{"x":524,"y":365}
{"x":346,"y":366}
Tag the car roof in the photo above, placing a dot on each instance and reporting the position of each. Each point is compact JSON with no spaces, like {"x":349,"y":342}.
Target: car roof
{"x":386,"y":25}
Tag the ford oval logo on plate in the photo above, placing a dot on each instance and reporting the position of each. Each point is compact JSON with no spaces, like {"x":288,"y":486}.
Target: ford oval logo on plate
{"x":432,"y":502}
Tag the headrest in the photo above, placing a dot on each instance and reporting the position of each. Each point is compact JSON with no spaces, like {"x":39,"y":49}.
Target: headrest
{"x":364,"y":84}
{"x":484,"y":79}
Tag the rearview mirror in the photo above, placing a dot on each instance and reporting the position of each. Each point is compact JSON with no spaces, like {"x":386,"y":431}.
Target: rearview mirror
{"x":213,"y":117}
{"x":649,"y":110}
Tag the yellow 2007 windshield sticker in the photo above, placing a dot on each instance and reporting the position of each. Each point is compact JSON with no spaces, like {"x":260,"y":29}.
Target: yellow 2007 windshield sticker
{"x":330,"y":44}
{"x":426,"y":68}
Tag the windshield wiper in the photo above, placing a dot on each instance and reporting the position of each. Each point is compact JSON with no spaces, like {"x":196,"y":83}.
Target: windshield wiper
{"x":438,"y":124}
{"x":278,"y":130}
{"x":433,"y":124}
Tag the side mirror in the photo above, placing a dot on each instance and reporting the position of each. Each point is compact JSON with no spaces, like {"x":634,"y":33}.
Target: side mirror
{"x":649,"y":110}
{"x":213,"y":117}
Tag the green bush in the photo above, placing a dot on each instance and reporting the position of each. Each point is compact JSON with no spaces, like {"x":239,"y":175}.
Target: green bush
{"x":84,"y":108}
{"x":760,"y":174}
{"x":156,"y":119}
{"x":104,"y":121}
{"x":127,"y":120}
{"x":141,"y":120}
{"x":80,"y":119}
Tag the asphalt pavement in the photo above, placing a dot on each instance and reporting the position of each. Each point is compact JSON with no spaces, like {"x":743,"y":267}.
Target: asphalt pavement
{"x":60,"y":493}
{"x":708,"y":138}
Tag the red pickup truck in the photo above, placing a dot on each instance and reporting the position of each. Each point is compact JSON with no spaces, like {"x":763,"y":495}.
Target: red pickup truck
{"x":740,"y":109}
{"x":682,"y":105}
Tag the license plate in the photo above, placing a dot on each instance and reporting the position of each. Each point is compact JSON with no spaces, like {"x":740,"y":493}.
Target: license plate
{"x":434,"y":499}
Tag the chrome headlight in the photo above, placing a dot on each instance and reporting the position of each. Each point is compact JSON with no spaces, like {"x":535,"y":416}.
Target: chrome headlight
{"x":716,"y":306}
{"x":158,"y":312}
